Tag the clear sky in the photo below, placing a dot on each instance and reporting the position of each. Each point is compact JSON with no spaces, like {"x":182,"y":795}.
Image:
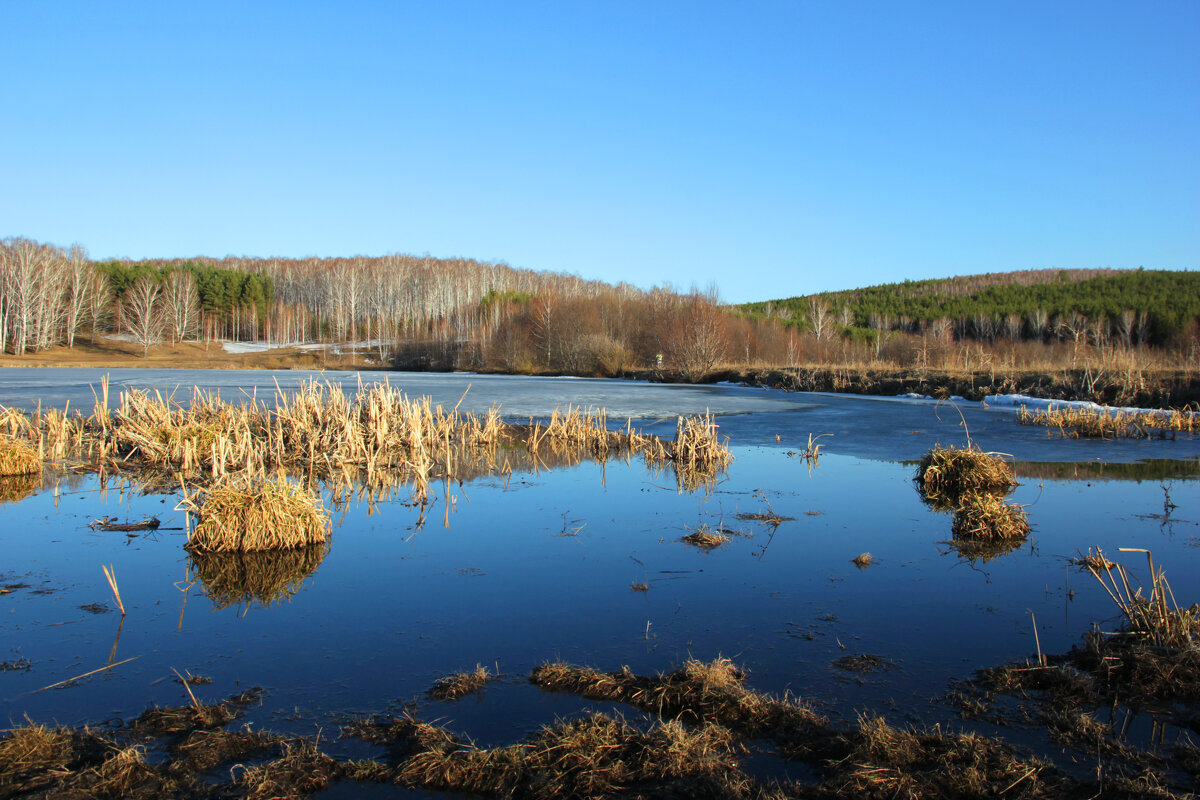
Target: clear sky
{"x":774,"y":148}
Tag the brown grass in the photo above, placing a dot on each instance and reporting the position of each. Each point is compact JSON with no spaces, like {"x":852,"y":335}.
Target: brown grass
{"x":863,"y":560}
{"x":949,"y":471}
{"x":461,"y":684}
{"x":707,"y":538}
{"x":247,"y":517}
{"x":984,"y":517}
{"x":888,"y":762}
{"x":597,"y":756}
{"x":697,"y":692}
{"x":299,"y":772}
{"x":263,"y":577}
{"x":18,"y":458}
{"x":1101,"y":423}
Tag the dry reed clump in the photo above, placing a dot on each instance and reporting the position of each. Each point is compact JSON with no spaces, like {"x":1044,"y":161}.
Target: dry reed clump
{"x":454,"y":687}
{"x":18,"y":458}
{"x":173,"y":720}
{"x":29,"y":753}
{"x":264,"y":577}
{"x":597,"y":756}
{"x":948,"y":472}
{"x":987,"y":518}
{"x":707,"y":538}
{"x":698,"y":692}
{"x":203,"y":750}
{"x":300,"y":771}
{"x":1101,"y":423}
{"x":882,"y":761}
{"x":268,"y":515}
{"x":1155,"y":656}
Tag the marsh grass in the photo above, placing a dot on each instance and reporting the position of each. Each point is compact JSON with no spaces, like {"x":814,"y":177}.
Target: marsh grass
{"x":1104,"y":423}
{"x":238,"y":516}
{"x":596,"y":756}
{"x":264,"y":577}
{"x":461,"y":684}
{"x":698,"y":692}
{"x":18,"y":458}
{"x":950,"y":472}
{"x":376,"y":436}
{"x":984,"y":517}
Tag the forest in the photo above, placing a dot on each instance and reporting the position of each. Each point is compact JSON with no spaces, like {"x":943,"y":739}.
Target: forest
{"x":419,"y":312}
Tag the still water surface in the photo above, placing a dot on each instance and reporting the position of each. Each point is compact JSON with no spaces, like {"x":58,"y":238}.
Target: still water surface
{"x":391,"y":607}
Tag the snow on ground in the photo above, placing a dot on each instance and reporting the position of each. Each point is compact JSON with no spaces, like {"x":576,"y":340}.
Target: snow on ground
{"x":262,"y":347}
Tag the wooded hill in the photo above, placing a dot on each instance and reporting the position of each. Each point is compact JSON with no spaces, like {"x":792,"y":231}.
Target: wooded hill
{"x":1130,"y":307}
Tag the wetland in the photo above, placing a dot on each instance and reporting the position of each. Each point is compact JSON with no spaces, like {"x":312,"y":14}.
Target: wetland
{"x":538,"y":621}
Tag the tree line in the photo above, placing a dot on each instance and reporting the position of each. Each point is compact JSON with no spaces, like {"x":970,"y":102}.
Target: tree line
{"x":1125,"y":307}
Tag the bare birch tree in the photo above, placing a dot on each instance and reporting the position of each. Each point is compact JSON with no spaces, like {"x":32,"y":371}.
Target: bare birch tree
{"x":141,"y":312}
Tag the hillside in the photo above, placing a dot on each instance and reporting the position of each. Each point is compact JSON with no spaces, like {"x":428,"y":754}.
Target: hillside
{"x":1132,"y":306}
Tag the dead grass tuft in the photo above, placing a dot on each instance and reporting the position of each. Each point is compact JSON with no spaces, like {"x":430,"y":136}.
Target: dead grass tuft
{"x":863,"y":560}
{"x":987,"y":518}
{"x":462,"y":684}
{"x":887,"y":762}
{"x":18,"y":458}
{"x":698,"y":692}
{"x":204,"y":750}
{"x":707,"y":538}
{"x":301,"y":771}
{"x":267,"y":515}
{"x":597,"y":756}
{"x":948,"y":472}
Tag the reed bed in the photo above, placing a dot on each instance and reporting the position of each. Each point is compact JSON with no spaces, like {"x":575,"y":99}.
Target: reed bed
{"x":706,"y":538}
{"x":238,"y":516}
{"x":264,"y":577}
{"x":1100,"y":423}
{"x":320,"y":430}
{"x":984,"y":517}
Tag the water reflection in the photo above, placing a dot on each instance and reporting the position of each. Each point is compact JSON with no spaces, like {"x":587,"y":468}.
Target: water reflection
{"x":263,"y":578}
{"x":18,"y":487}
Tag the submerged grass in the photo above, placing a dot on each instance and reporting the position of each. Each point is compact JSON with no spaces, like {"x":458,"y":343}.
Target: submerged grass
{"x":246,"y":517}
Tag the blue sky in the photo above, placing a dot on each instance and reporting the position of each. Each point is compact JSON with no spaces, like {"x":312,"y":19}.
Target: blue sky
{"x":773,"y":148}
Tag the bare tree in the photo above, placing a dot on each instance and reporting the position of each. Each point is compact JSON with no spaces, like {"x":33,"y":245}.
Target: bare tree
{"x":76,"y":288}
{"x":180,"y":305}
{"x":818,"y":316}
{"x":142,"y":314}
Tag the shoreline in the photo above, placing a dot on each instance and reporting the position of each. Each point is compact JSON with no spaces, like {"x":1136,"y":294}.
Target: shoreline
{"x":1154,"y":389}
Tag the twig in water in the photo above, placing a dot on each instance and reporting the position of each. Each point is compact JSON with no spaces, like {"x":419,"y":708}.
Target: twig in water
{"x":81,"y":677}
{"x":112,"y":584}
{"x":195,"y":702}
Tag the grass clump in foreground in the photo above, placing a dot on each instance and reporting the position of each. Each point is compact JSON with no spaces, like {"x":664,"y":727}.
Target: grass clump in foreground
{"x":951,"y":473}
{"x":268,"y":515}
{"x":18,"y":458}
{"x":461,"y":684}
